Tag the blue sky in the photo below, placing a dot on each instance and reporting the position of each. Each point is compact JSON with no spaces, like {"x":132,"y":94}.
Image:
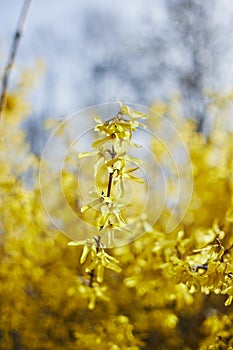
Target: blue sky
{"x":98,"y":51}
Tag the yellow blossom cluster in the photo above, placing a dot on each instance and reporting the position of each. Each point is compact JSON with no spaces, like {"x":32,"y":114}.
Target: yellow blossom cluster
{"x":115,"y":135}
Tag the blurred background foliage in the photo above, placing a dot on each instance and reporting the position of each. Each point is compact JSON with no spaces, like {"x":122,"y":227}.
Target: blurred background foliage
{"x":174,"y":291}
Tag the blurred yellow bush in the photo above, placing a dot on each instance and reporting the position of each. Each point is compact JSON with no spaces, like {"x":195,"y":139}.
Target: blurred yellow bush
{"x":172,"y":291}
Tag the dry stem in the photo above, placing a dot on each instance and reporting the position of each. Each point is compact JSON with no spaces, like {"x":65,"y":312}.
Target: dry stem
{"x":13,"y":51}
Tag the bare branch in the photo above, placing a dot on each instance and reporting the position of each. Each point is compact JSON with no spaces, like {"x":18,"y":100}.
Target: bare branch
{"x":13,"y":51}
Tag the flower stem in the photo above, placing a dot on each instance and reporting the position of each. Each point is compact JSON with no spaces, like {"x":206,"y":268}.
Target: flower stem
{"x":109,"y":184}
{"x":113,"y":155}
{"x":98,"y":239}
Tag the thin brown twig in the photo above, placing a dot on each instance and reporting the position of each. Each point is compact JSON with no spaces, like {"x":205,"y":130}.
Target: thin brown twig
{"x":13,"y":51}
{"x":98,"y":240}
{"x":110,"y":184}
{"x":113,"y":155}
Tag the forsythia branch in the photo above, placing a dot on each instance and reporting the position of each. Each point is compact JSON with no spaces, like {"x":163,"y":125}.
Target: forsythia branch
{"x":13,"y":52}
